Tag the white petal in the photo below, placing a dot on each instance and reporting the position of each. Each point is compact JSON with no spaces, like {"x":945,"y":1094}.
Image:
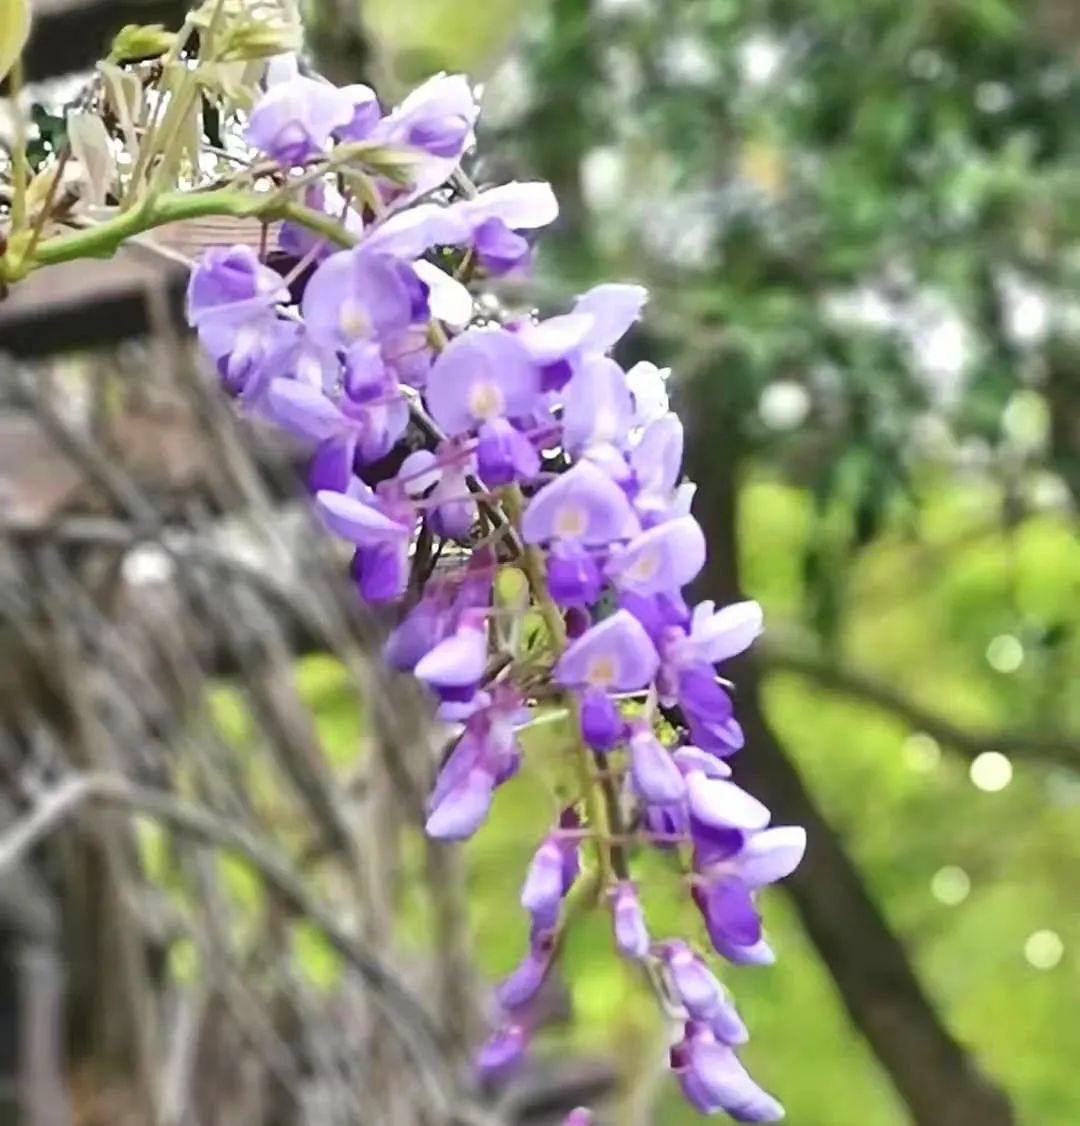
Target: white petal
{"x":449,"y":300}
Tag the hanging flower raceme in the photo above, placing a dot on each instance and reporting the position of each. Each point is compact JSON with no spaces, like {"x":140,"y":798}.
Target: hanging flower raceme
{"x":520,"y":497}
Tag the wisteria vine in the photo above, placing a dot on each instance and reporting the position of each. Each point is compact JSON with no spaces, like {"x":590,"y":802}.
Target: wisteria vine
{"x":519,"y":496}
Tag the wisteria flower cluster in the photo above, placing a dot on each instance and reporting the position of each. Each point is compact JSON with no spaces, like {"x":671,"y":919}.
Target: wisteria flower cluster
{"x":492,"y":471}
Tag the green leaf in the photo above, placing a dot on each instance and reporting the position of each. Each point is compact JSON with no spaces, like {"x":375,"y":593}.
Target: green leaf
{"x":14,"y":31}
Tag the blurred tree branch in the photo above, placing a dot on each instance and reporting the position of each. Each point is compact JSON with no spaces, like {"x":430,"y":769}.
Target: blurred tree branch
{"x":777,"y":652}
{"x":418,"y":1034}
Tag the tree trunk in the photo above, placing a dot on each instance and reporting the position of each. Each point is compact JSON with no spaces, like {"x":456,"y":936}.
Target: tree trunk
{"x":932,"y":1073}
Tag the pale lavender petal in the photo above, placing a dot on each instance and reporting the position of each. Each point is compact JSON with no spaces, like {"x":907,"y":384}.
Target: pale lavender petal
{"x":294,"y":119}
{"x":366,"y":112}
{"x":771,"y":855}
{"x":449,"y":301}
{"x":693,"y":758}
{"x":556,"y":337}
{"x":419,"y":472}
{"x":356,"y":521}
{"x":725,"y":633}
{"x":481,"y":375}
{"x":412,"y":233}
{"x":615,"y":655}
{"x":728,"y":1084}
{"x":501,"y":1052}
{"x":723,"y":804}
{"x":662,"y":559}
{"x":615,"y":308}
{"x":695,"y":985}
{"x":598,"y":409}
{"x":657,"y":458}
{"x":304,"y":409}
{"x":524,"y":983}
{"x":521,"y":206}
{"x":726,"y":1024}
{"x":543,"y":886}
{"x":582,"y":505}
{"x":631,"y":934}
{"x":463,"y":809}
{"x":656,"y":777}
{"x":457,"y":661}
{"x":358,"y":293}
{"x":648,"y":389}
{"x":760,"y":954}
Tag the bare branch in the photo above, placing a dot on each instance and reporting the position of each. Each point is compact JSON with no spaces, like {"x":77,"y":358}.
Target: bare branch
{"x":775,"y":654}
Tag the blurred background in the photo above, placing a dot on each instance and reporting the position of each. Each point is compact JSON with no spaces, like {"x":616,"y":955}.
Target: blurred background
{"x":859,"y":221}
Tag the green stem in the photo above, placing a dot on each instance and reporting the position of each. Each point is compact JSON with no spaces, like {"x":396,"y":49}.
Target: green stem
{"x":19,"y":167}
{"x":103,"y":239}
{"x":596,"y":800}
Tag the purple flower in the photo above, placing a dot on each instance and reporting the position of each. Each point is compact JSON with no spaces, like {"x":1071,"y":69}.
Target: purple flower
{"x":713,"y":1079}
{"x":381,"y":533}
{"x":564,"y":344}
{"x":716,"y":635}
{"x":542,"y":890}
{"x":412,"y":233}
{"x":601,"y":724}
{"x":598,"y":410}
{"x":504,"y":454}
{"x":628,"y":921}
{"x":615,"y":655}
{"x":443,"y":479}
{"x":573,"y":575}
{"x":251,"y":354}
{"x":460,"y":810}
{"x":583,"y":507}
{"x":437,"y":119}
{"x":614,"y":308}
{"x":480,"y":377}
{"x":723,"y":805}
{"x":661,"y":559}
{"x":497,"y":217}
{"x":521,"y":986}
{"x":579,"y":1116}
{"x":366,"y":113}
{"x":358,"y":294}
{"x":698,"y":990}
{"x":294,"y":119}
{"x":347,"y":429}
{"x":730,"y":877}
{"x":556,"y":345}
{"x":501,"y":1052}
{"x":231,"y":281}
{"x":657,"y":462}
{"x":456,"y":664}
{"x":656,"y":778}
{"x":498,"y":249}
{"x":486,"y":755}
{"x":518,"y":206}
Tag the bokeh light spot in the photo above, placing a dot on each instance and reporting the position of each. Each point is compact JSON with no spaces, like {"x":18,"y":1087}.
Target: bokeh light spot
{"x":1044,"y":949}
{"x":1005,"y":653}
{"x":991,"y":771}
{"x":951,"y":885}
{"x":921,"y":752}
